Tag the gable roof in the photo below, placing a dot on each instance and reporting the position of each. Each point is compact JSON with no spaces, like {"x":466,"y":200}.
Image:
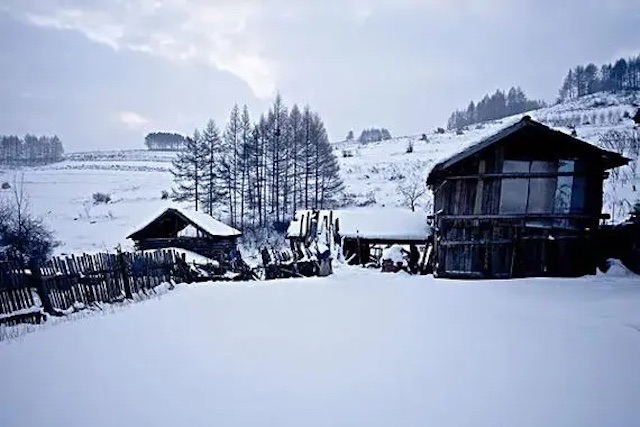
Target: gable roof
{"x":610,"y":159}
{"x":201,"y":221}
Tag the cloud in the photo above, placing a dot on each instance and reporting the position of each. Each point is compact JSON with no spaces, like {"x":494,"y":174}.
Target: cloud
{"x":219,"y":33}
{"x":132,"y":120}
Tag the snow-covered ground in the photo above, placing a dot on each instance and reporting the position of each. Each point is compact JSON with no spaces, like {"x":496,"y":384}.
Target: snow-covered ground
{"x":62,"y":195}
{"x":359,"y":348}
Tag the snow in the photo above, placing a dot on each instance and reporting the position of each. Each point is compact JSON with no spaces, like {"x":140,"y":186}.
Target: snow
{"x":376,"y":171}
{"x":208,"y":223}
{"x":394,"y":253}
{"x":371,"y":222}
{"x":358,"y":348}
{"x":615,"y":268}
{"x":383,"y":223}
{"x":202,"y":220}
{"x":61,"y":193}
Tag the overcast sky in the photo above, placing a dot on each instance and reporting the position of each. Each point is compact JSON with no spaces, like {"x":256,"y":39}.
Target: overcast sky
{"x":103,"y":73}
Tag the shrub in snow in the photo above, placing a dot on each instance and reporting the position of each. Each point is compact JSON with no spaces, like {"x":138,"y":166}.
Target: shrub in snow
{"x":23,"y":237}
{"x":440,"y":130}
{"x":99,"y":198}
{"x":410,"y":147}
{"x":5,"y":186}
{"x":165,"y":195}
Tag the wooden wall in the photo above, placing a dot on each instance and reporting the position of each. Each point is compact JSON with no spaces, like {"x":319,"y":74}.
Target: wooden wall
{"x":217,"y":249}
{"x":476,"y":240}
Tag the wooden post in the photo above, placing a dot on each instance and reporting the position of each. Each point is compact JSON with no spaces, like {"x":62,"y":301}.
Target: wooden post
{"x":125,"y":276}
{"x":38,"y":284}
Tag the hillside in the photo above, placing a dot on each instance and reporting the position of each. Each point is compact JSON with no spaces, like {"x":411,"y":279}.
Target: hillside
{"x":374,"y":172}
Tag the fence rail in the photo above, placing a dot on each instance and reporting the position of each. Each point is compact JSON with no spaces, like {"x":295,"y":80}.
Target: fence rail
{"x":66,"y":284}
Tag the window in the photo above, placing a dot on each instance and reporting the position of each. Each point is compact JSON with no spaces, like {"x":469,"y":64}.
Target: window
{"x":541,"y":195}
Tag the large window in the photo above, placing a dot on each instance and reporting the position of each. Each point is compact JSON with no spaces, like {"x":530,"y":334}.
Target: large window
{"x":541,"y":195}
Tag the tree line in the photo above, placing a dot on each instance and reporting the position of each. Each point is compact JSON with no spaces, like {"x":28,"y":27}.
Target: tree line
{"x":164,"y":141}
{"x":259,"y":173}
{"x":492,"y":107}
{"x":371,"y":135}
{"x":30,"y":149}
{"x":587,"y":79}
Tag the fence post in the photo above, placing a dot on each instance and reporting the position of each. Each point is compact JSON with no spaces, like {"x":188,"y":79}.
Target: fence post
{"x":38,"y":284}
{"x":125,"y":277}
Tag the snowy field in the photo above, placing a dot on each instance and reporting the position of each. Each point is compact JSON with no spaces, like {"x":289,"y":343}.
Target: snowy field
{"x":360,"y":348}
{"x":62,"y":195}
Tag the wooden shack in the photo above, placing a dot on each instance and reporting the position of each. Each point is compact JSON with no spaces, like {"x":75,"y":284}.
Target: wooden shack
{"x":526,"y":201}
{"x":190,"y":230}
{"x":359,"y":233}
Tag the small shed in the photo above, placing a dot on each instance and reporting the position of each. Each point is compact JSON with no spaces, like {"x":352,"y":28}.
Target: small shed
{"x":358,"y":231}
{"x":526,"y":201}
{"x":191,"y":230}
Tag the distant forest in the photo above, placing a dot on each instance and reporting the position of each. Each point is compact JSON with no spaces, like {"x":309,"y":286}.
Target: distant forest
{"x":30,"y":150}
{"x":624,"y":74}
{"x":492,"y":107}
{"x":373,"y":135}
{"x":164,"y":141}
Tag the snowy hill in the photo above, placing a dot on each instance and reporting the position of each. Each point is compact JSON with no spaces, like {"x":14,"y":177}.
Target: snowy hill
{"x":374,"y":172}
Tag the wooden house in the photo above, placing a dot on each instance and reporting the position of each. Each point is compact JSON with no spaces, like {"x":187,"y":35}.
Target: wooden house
{"x":525,"y":201}
{"x":191,"y":230}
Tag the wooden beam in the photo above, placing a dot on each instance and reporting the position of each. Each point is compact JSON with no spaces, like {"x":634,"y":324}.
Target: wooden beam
{"x":514,"y":175}
{"x":477,"y":207}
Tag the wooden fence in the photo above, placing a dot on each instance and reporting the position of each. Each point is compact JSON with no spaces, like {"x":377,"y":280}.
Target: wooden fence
{"x":67,"y":284}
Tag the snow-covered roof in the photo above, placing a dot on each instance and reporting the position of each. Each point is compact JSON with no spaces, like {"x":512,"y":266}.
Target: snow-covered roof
{"x":208,"y":223}
{"x":369,"y":223}
{"x":478,"y":139}
{"x":204,"y":222}
{"x":383,"y":223}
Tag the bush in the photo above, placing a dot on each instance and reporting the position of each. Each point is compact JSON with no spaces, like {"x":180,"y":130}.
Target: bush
{"x":409,"y":147}
{"x":99,"y":198}
{"x":165,"y":195}
{"x":23,"y":238}
{"x":5,"y":186}
{"x":440,"y":130}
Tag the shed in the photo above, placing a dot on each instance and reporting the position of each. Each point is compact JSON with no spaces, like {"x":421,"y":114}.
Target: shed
{"x":191,"y":230}
{"x":356,"y":231}
{"x":526,"y":201}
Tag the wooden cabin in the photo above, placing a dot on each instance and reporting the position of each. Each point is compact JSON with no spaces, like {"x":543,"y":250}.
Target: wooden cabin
{"x":526,"y":201}
{"x":191,"y":230}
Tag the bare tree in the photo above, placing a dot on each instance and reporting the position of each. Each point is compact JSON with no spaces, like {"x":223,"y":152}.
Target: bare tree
{"x":412,"y":189}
